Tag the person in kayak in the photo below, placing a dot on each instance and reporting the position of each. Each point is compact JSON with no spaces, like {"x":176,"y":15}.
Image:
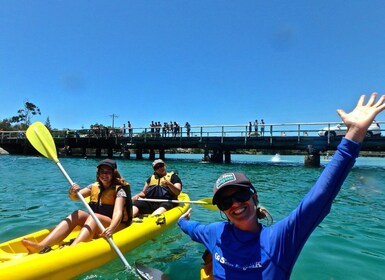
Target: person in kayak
{"x":243,"y":248}
{"x":160,"y":185}
{"x":109,"y":199}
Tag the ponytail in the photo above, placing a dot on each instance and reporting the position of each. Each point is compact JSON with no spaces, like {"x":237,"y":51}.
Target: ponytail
{"x":262,"y":213}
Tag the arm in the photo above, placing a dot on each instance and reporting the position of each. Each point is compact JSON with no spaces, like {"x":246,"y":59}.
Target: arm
{"x":197,"y":232}
{"x":142,"y":193}
{"x":298,"y":226}
{"x":359,"y":120}
{"x":85,"y":192}
{"x":175,"y":185}
{"x":116,"y":217}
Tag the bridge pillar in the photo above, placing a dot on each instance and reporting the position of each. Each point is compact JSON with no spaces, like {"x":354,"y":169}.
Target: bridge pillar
{"x":110,"y":153}
{"x":126,"y":154}
{"x":162,"y":154}
{"x":227,"y":157}
{"x":139,"y":154}
{"x":84,"y":152}
{"x":217,"y":156}
{"x":152,"y":154}
{"x":206,"y":156}
{"x":313,"y":159}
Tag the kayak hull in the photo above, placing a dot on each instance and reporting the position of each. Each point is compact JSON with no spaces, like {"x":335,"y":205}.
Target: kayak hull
{"x":70,"y":261}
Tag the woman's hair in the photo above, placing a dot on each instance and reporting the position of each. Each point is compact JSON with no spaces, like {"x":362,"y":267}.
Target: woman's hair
{"x":263,"y":214}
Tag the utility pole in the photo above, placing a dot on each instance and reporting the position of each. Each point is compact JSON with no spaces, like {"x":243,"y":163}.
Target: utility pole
{"x":113,"y":116}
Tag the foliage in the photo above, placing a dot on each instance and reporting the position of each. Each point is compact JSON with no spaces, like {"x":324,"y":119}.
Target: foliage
{"x":22,"y":120}
{"x":48,"y":123}
{"x":5,"y":125}
{"x":25,"y":115}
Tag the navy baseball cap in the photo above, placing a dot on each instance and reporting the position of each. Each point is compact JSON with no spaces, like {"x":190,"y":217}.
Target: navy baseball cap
{"x":234,"y":179}
{"x":108,"y":162}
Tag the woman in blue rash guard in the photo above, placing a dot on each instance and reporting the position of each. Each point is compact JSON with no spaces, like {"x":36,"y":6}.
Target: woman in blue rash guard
{"x":241,"y":247}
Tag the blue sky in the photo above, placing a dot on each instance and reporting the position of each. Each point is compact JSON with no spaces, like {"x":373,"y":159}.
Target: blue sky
{"x":206,"y":62}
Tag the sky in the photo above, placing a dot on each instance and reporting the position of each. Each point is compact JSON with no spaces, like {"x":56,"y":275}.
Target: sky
{"x":205,"y":62}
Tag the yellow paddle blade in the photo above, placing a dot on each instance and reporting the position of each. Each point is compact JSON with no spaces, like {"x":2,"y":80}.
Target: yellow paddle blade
{"x":208,"y":204}
{"x":41,"y":139}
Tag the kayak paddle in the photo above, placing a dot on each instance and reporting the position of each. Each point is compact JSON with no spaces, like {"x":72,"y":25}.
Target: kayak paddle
{"x":41,"y":139}
{"x":205,"y":202}
{"x":149,"y":273}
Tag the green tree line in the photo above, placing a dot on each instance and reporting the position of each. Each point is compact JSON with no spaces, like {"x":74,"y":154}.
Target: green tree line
{"x":23,"y":119}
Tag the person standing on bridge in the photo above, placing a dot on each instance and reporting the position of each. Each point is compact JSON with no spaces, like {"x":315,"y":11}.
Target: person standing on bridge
{"x":243,"y":248}
{"x":160,"y":185}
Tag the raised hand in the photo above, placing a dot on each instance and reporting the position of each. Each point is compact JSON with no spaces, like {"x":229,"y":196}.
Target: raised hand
{"x":362,"y":116}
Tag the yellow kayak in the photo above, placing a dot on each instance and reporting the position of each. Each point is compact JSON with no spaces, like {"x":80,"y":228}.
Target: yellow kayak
{"x":69,"y":261}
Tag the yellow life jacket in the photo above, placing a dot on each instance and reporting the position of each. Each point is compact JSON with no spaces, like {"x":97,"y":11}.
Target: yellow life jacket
{"x":155,"y":189}
{"x":103,"y":202}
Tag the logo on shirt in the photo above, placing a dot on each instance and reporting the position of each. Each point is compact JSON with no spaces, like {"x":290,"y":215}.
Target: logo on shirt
{"x":224,"y":261}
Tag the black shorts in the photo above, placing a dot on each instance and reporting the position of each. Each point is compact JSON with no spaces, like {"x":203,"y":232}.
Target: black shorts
{"x":147,"y":207}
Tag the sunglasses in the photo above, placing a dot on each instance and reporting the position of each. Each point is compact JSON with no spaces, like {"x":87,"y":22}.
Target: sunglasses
{"x":158,"y":166}
{"x":226,"y":202}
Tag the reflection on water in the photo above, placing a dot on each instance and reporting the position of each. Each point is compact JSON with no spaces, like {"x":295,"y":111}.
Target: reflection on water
{"x":34,"y":195}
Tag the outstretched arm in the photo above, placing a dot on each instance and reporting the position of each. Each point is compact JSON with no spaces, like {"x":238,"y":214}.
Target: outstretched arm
{"x":359,"y":120}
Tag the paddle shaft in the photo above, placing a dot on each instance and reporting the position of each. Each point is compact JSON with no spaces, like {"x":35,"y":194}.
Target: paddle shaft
{"x":100,"y":225}
{"x":172,"y":200}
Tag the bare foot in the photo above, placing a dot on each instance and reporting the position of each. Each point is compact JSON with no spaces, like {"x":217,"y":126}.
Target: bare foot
{"x":31,"y":246}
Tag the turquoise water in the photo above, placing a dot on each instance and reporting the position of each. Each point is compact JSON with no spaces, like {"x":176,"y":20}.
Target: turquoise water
{"x":349,"y":244}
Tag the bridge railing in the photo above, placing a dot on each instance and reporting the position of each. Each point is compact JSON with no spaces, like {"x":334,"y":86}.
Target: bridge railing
{"x":238,"y":130}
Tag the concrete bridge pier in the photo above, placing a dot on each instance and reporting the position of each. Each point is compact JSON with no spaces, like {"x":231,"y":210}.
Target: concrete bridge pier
{"x":162,"y":154}
{"x":313,"y":159}
{"x":110,"y":153}
{"x":84,"y":152}
{"x":227,"y":157}
{"x":152,"y":154}
{"x":139,"y":154}
{"x":126,"y":154}
{"x":217,"y":156}
{"x":206,"y":156}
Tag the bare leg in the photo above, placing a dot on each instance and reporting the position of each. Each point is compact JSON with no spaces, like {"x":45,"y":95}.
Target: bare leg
{"x":90,"y":228}
{"x":159,"y":211}
{"x":135,"y":211}
{"x":60,"y":232}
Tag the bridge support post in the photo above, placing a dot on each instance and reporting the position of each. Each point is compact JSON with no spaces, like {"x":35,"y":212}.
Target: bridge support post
{"x":110,"y":153}
{"x":162,"y":154}
{"x":126,"y":154}
{"x":139,"y":154}
{"x":227,"y":157}
{"x":206,"y":156}
{"x":217,"y":156}
{"x":313,"y":159}
{"x":152,"y":154}
{"x":84,"y":152}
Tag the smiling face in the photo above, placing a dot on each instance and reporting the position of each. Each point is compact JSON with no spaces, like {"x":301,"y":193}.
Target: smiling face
{"x":160,"y":169}
{"x":105,"y":175}
{"x":241,"y":209}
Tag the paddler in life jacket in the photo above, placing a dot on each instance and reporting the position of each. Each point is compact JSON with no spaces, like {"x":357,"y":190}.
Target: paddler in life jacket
{"x":160,"y":185}
{"x":109,"y":199}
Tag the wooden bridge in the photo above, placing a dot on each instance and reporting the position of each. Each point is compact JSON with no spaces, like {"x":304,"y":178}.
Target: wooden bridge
{"x":216,"y":142}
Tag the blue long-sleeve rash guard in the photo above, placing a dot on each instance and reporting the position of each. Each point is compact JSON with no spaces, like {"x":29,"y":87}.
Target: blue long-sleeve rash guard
{"x":272,"y":252}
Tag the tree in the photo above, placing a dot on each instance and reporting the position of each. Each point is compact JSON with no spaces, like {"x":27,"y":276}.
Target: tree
{"x":24,"y":115}
{"x":5,"y":125}
{"x":48,"y":123}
